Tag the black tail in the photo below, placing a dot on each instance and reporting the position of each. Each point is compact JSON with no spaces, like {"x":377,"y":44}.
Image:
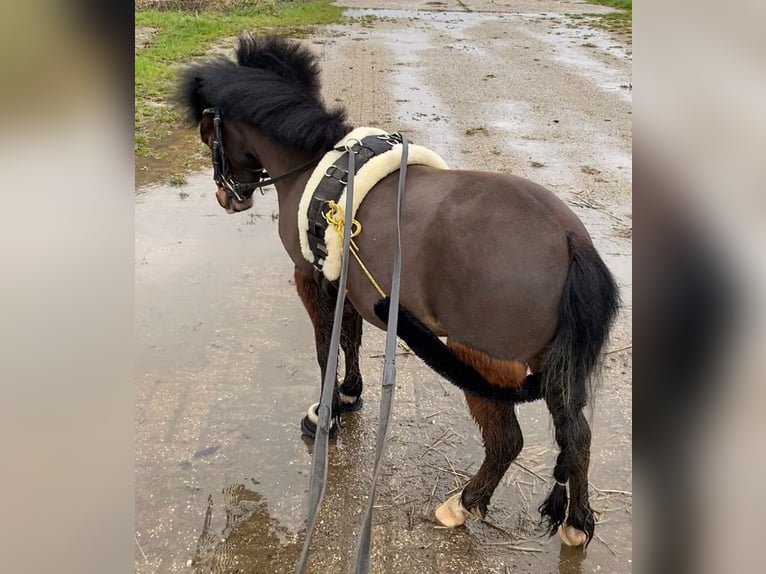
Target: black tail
{"x":589,"y":304}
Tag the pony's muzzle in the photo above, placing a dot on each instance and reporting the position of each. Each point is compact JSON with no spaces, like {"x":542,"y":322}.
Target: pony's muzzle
{"x":232,"y":204}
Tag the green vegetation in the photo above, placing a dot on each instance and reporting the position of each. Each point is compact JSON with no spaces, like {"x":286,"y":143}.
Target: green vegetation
{"x":178,"y":36}
{"x":618,"y":22}
{"x":177,"y":180}
{"x":619,"y":4}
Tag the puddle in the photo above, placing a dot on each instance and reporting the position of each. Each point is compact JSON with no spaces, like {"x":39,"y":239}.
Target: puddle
{"x":240,"y":531}
{"x":225,"y":356}
{"x":416,"y":102}
{"x":205,"y":294}
{"x":533,"y":138}
{"x":226,"y":368}
{"x":568,"y":49}
{"x":178,"y":152}
{"x":435,"y":17}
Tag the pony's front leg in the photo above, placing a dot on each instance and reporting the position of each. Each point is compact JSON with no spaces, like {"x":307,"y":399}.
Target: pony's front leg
{"x":503,"y":442}
{"x":319,"y":298}
{"x":350,"y":342}
{"x":319,"y":301}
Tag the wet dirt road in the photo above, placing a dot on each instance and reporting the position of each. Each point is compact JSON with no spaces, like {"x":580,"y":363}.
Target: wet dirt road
{"x":226,"y":365}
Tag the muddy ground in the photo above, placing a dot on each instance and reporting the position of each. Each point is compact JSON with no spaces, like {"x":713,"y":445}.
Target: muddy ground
{"x":226,"y":365}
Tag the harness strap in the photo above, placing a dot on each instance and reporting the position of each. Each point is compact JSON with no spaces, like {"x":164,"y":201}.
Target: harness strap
{"x":331,"y":187}
{"x":318,"y":481}
{"x":362,"y":565}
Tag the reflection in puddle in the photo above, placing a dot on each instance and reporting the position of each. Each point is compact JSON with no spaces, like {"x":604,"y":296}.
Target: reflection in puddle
{"x":249,"y":540}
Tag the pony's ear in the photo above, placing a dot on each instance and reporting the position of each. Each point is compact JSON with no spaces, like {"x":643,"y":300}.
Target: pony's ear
{"x":189,"y":94}
{"x":285,"y":58}
{"x":206,"y":129}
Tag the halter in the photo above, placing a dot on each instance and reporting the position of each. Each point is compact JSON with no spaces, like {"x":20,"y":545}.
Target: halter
{"x":221,"y":174}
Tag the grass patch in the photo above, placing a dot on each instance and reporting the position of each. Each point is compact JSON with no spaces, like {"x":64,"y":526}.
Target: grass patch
{"x":619,"y":4}
{"x":177,"y":180}
{"x":182,"y":36}
{"x":141,"y":145}
{"x":618,"y":22}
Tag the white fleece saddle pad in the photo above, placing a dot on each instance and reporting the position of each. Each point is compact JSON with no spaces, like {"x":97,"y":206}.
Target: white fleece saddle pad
{"x":368,"y":175}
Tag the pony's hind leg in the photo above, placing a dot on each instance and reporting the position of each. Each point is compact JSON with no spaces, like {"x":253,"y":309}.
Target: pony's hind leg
{"x":503,"y":442}
{"x":581,"y":524}
{"x":350,"y":341}
{"x":500,"y":431}
{"x":573,"y":436}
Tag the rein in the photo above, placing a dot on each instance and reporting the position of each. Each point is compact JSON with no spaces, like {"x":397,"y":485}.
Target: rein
{"x":223,"y":177}
{"x":318,"y":484}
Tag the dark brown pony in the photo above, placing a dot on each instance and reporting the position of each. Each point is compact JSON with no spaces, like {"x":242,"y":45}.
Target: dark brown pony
{"x":495,"y":263}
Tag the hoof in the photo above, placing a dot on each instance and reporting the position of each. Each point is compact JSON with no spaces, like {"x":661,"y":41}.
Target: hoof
{"x":310,"y":421}
{"x":572,"y":536}
{"x":452,"y":513}
{"x":350,"y":404}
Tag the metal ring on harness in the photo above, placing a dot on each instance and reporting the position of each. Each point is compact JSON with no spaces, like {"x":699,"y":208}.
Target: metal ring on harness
{"x":351,"y":147}
{"x":332,"y":169}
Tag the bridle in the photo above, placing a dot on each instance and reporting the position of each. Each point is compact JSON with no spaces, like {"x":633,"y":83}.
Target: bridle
{"x":221,"y":174}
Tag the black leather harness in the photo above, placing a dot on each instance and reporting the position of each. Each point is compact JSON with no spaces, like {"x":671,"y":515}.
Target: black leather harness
{"x":331,"y":187}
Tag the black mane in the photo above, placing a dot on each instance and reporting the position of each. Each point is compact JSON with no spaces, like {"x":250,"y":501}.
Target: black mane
{"x":274,"y":85}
